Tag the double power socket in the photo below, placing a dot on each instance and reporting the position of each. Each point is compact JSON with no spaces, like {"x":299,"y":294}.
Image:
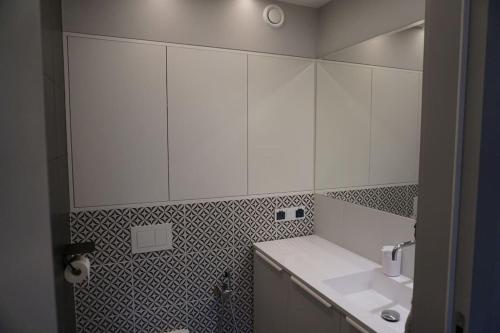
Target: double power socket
{"x":289,"y":214}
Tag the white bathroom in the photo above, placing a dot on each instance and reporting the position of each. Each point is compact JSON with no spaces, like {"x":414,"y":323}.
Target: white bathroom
{"x":245,"y":166}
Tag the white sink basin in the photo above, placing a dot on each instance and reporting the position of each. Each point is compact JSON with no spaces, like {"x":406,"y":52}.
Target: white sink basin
{"x":374,"y":292}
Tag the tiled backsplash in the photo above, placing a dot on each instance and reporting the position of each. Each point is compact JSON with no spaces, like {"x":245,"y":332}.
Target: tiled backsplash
{"x":157,"y":292}
{"x":392,"y":199}
{"x":161,"y":291}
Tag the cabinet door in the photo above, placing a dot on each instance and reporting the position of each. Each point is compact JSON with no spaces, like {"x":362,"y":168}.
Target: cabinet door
{"x":343,"y":112}
{"x":307,"y":313}
{"x":350,"y":326}
{"x":207,"y":122}
{"x":280,"y":124}
{"x":395,"y":126}
{"x":118,"y":122}
{"x":271,"y":285}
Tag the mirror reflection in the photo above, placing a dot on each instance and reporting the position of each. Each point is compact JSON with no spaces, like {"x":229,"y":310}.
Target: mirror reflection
{"x":368,"y":121}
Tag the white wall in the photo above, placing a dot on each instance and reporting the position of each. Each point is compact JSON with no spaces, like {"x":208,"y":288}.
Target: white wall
{"x":363,"y":230}
{"x":233,"y":24}
{"x":404,"y":50}
{"x":344,"y":23}
{"x":238,"y":24}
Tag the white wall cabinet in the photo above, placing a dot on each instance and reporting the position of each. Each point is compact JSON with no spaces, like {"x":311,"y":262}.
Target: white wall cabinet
{"x":395,"y":134}
{"x":343,"y":115}
{"x":236,"y":123}
{"x":118,"y":121}
{"x":367,"y":125}
{"x":280,"y":124}
{"x":207,"y":122}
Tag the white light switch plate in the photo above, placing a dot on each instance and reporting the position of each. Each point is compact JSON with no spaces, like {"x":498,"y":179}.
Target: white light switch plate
{"x":151,"y":238}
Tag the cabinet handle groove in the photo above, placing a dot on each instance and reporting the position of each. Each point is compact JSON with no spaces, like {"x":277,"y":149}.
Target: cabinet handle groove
{"x":310,"y":292}
{"x":355,"y":325}
{"x":268,"y":261}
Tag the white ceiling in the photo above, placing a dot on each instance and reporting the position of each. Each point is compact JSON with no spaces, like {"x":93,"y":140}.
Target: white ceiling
{"x":308,"y":3}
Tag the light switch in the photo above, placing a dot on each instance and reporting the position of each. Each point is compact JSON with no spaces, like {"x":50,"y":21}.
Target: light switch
{"x":149,"y":238}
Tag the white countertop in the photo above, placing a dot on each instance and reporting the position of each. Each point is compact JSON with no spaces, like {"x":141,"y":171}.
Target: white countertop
{"x":313,"y":260}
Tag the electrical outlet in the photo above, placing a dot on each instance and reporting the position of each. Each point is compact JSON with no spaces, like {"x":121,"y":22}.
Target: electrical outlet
{"x":289,"y":214}
{"x":280,"y":215}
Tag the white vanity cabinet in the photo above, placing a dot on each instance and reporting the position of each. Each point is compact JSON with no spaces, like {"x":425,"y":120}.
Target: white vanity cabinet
{"x":271,"y":286}
{"x":207,"y":122}
{"x":348,"y":325}
{"x":280,"y":124}
{"x":117,"y":121}
{"x":395,"y":132}
{"x":283,"y":304}
{"x":308,"y":312}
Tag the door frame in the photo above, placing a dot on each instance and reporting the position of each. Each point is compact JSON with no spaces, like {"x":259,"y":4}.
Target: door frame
{"x":456,"y":281}
{"x":443,"y":106}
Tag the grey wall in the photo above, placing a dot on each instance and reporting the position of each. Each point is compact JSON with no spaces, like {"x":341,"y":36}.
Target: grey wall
{"x":33,"y":195}
{"x":343,"y":23}
{"x":218,"y":23}
{"x":404,"y":49}
{"x":363,"y":230}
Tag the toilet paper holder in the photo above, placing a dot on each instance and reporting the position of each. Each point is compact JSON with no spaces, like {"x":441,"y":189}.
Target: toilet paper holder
{"x":73,"y":250}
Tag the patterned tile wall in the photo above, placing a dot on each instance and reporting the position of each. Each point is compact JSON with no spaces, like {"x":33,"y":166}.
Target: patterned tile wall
{"x":393,"y":199}
{"x":161,"y":291}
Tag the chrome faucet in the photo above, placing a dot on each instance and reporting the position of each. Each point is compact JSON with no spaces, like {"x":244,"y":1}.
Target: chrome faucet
{"x":399,"y":247}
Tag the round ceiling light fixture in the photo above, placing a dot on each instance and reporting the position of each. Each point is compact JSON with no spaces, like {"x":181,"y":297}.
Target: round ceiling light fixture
{"x":274,"y":16}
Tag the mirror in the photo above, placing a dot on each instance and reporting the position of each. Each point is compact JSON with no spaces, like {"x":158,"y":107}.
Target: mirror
{"x":368,"y":121}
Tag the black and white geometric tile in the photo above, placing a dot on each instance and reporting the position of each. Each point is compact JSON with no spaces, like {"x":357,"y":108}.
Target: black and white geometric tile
{"x":243,"y":269}
{"x":161,"y":319}
{"x":108,"y":294}
{"x":109,"y":229}
{"x":167,"y":290}
{"x":208,"y":226}
{"x":205,"y":316}
{"x":106,"y":325}
{"x":160,"y":282}
{"x":206,"y":270}
{"x":244,"y":311}
{"x":254,"y":220}
{"x":392,"y":199}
